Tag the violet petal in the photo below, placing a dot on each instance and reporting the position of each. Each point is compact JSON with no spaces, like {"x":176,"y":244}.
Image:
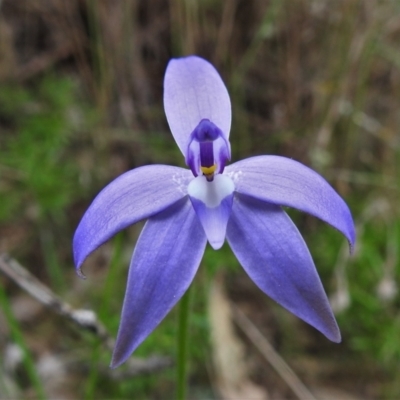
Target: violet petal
{"x":275,"y":256}
{"x":193,"y":90}
{"x":164,"y":263}
{"x":282,"y":181}
{"x":133,"y":196}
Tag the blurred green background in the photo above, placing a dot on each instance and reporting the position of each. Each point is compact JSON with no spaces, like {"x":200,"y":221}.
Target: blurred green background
{"x":81,"y":102}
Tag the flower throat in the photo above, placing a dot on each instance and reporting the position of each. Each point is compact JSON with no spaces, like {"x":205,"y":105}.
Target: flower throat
{"x":208,"y":150}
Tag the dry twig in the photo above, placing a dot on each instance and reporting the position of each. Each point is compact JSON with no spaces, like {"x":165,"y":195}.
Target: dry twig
{"x":83,"y":318}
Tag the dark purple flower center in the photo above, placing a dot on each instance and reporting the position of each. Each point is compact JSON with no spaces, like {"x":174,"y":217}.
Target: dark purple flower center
{"x":208,"y":150}
{"x":206,"y":154}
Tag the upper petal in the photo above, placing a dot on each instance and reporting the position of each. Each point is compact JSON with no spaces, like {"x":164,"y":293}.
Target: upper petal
{"x":283,"y":181}
{"x":193,"y":90}
{"x":164,"y":263}
{"x":133,"y":196}
{"x":275,"y":256}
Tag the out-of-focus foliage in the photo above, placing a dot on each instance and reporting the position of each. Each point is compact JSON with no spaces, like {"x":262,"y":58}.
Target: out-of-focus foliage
{"x":81,"y":102}
{"x":36,"y":165}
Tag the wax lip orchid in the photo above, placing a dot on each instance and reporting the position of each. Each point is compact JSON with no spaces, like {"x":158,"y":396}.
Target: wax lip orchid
{"x":211,"y":201}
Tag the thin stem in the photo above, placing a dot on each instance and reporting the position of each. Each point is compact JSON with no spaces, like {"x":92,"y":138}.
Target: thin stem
{"x":183,"y":322}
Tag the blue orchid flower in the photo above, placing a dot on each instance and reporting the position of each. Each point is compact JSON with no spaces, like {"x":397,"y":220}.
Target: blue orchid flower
{"x":211,"y":201}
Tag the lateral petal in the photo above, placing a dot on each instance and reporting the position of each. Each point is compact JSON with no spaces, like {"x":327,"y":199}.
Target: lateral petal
{"x":275,"y":256}
{"x":164,"y":263}
{"x":133,"y":196}
{"x":282,"y":181}
{"x":193,"y":90}
{"x":212,"y":202}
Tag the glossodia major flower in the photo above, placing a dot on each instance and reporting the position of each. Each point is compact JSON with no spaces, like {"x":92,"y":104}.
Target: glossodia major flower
{"x":211,"y":201}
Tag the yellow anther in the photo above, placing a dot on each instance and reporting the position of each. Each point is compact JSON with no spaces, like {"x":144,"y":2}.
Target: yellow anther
{"x":208,"y":170}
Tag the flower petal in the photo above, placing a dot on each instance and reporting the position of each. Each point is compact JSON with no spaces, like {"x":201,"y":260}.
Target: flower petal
{"x":133,"y":196}
{"x":286,"y":182}
{"x":193,"y":90}
{"x":273,"y":253}
{"x":164,"y":263}
{"x":212,"y":202}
